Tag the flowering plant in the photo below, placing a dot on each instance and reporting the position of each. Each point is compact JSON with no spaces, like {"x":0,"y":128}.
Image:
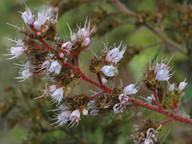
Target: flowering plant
{"x":57,"y":59}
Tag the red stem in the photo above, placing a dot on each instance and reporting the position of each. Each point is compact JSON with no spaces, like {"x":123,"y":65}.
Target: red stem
{"x":164,"y":122}
{"x":156,"y":98}
{"x":46,"y":45}
{"x":136,"y":102}
{"x":96,"y":95}
{"x":162,"y":111}
{"x":84,"y":77}
{"x":99,"y":79}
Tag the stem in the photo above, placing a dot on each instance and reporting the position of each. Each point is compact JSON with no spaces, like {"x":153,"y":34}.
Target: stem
{"x":96,"y":95}
{"x":136,"y":102}
{"x":99,"y":79}
{"x":46,"y":44}
{"x":84,"y":77}
{"x":156,"y":98}
{"x":162,"y":111}
{"x":164,"y":122}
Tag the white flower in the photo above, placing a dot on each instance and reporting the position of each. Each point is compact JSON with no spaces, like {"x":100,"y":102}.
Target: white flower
{"x":162,"y":72}
{"x":28,"y":16}
{"x":55,"y":67}
{"x":148,"y":141}
{"x":150,"y":99}
{"x":123,"y":98}
{"x":84,"y":32}
{"x":109,"y":71}
{"x":163,"y":75}
{"x":182,"y":85}
{"x":67,"y":47}
{"x":171,"y":87}
{"x":25,"y":74}
{"x":130,"y":89}
{"x":17,"y":50}
{"x":75,"y":117}
{"x":41,"y":20}
{"x":115,"y":55}
{"x":150,"y":135}
{"x":52,"y":88}
{"x":57,"y":95}
{"x":63,"y":118}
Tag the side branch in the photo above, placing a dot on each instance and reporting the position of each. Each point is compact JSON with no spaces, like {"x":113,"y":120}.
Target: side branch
{"x":84,"y":77}
{"x":164,"y":122}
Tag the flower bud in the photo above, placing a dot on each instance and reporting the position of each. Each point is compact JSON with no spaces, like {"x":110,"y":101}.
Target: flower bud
{"x":86,"y":42}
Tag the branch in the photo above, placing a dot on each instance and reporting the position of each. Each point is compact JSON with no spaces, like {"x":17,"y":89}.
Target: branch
{"x":164,"y":122}
{"x":156,"y":98}
{"x":99,"y":79}
{"x":152,"y":28}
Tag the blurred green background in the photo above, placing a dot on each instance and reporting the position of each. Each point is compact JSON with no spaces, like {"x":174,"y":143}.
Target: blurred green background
{"x":131,"y":72}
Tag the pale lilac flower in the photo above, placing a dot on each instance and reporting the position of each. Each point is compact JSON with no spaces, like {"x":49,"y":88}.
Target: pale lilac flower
{"x":55,"y":67}
{"x":115,"y":55}
{"x":109,"y":71}
{"x":27,"y":16}
{"x":91,"y":105}
{"x":63,"y":118}
{"x":57,"y":95}
{"x":182,"y":85}
{"x":75,"y":117}
{"x":94,"y":112}
{"x":130,"y":89}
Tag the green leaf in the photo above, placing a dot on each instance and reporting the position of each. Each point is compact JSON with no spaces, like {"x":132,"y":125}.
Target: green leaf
{"x":188,"y":93}
{"x":183,"y":111}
